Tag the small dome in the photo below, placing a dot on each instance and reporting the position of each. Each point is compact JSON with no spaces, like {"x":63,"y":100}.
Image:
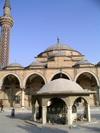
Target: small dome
{"x":98,"y":64}
{"x":58,"y":54}
{"x":81,"y":62}
{"x":36,"y":63}
{"x":61,"y":85}
{"x":14,"y":65}
{"x":58,"y":46}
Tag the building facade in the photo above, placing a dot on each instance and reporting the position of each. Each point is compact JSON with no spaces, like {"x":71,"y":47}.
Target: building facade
{"x":57,"y":61}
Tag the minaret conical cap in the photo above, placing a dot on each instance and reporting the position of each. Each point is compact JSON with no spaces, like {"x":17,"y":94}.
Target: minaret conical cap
{"x":7,"y":3}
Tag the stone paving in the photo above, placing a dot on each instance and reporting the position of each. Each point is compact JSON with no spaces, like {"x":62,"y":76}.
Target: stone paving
{"x":18,"y":124}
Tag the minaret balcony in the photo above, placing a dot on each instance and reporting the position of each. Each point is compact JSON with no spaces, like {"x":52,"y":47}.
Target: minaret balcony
{"x":6,"y":20}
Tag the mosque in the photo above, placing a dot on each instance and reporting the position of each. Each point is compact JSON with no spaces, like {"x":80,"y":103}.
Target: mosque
{"x":59,"y":63}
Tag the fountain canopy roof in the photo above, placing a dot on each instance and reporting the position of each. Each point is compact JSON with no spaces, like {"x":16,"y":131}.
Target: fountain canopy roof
{"x":60,"y":85}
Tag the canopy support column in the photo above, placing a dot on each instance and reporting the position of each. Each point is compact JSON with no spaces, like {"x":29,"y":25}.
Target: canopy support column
{"x":88,"y":115}
{"x":44,"y":114}
{"x":70,"y":115}
{"x":33,"y":112}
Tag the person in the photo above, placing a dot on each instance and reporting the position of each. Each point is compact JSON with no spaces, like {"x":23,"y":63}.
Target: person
{"x":13,"y":112}
{"x":2,"y":106}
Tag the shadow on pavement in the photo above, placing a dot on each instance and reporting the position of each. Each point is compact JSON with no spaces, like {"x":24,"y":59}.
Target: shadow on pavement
{"x":34,"y":129}
{"x":22,"y":116}
{"x":91,"y":129}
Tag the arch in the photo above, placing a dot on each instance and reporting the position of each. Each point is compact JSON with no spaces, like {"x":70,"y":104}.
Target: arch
{"x":83,"y":97}
{"x":34,"y":99}
{"x":85,"y":113}
{"x":57,"y":110}
{"x":58,"y":73}
{"x":49,"y":98}
{"x":87,"y":72}
{"x":2,"y":79}
{"x":25,"y":80}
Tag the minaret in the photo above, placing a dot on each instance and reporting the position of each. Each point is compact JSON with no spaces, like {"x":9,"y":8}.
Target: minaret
{"x":6,"y":22}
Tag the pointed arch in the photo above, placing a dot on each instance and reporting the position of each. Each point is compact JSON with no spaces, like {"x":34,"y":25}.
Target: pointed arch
{"x":62,"y":73}
{"x":48,"y":99}
{"x":90,"y":73}
{"x":83,"y":97}
{"x":25,"y":80}
{"x":2,"y":79}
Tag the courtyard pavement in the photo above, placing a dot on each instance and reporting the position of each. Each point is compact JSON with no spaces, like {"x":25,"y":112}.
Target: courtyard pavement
{"x":19,"y":124}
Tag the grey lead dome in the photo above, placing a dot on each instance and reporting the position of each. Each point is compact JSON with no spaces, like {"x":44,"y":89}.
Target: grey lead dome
{"x":36,"y":63}
{"x":14,"y":65}
{"x":59,"y":54}
{"x":81,"y":62}
{"x":98,"y":64}
{"x":58,"y":46}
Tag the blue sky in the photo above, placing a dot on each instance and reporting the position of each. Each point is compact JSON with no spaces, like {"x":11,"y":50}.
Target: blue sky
{"x":37,"y":23}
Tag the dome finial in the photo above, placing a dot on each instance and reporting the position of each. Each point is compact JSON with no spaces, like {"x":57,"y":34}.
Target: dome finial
{"x":58,"y":39}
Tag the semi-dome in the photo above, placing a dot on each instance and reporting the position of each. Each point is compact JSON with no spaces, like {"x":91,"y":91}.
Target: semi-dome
{"x":36,"y":63}
{"x":58,"y":46}
{"x":60,"y":86}
{"x":81,"y":62}
{"x":14,"y":65}
{"x":58,"y":54}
